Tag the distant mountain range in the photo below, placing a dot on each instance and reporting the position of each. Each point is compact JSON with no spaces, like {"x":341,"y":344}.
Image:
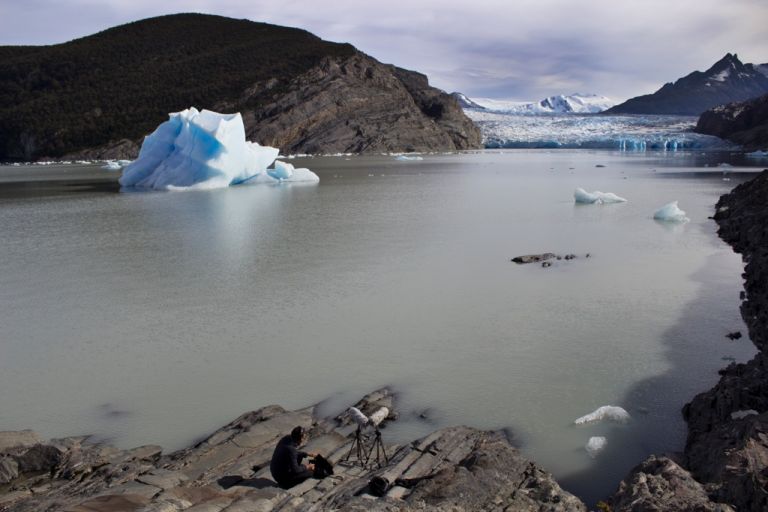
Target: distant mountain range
{"x":727,"y":81}
{"x":98,"y":96}
{"x":561,"y":104}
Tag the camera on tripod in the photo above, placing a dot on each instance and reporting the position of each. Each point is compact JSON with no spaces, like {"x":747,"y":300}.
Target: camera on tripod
{"x":363,"y":446}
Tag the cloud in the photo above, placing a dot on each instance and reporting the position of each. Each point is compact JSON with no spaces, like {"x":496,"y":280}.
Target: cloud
{"x":521,"y":49}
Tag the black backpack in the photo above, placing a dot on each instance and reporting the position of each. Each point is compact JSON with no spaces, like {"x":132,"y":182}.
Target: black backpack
{"x":323,"y":467}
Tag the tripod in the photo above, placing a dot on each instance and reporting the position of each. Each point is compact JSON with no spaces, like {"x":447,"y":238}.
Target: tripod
{"x":358,"y":448}
{"x":378,"y":445}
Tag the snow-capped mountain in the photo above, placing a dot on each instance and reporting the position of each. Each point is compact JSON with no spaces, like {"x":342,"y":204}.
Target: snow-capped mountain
{"x":561,"y":104}
{"x":728,"y":80}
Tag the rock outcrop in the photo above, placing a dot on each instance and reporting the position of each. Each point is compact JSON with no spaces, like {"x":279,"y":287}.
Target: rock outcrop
{"x":744,"y":123}
{"x":660,"y":484}
{"x":459,"y":469}
{"x":358,"y":105}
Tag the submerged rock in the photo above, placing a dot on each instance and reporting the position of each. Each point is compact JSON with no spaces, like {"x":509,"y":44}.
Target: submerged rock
{"x":533,"y":258}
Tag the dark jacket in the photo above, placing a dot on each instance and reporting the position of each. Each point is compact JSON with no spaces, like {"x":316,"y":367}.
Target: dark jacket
{"x":286,"y":462}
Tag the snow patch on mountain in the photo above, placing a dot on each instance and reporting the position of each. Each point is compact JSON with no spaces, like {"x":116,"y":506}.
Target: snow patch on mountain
{"x":561,"y":104}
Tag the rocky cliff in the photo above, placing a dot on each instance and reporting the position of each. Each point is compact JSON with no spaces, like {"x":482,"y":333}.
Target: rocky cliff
{"x":744,"y":123}
{"x":728,"y":80}
{"x":99,"y":95}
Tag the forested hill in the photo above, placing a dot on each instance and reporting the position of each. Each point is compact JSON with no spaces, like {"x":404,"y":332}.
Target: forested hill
{"x":122,"y":82}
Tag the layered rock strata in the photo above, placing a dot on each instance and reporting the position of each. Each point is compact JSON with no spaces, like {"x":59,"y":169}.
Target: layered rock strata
{"x":459,"y":469}
{"x":357,"y":105}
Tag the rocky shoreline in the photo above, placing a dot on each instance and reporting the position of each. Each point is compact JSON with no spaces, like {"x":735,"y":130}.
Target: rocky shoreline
{"x":724,"y":466}
{"x":457,"y":468}
{"x":725,"y":462}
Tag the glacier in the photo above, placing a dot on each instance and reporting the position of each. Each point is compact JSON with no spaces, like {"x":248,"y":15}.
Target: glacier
{"x":606,"y":412}
{"x":595,"y":445}
{"x":630,"y":133}
{"x":582,"y":196}
{"x":201,"y":150}
{"x":670,"y":212}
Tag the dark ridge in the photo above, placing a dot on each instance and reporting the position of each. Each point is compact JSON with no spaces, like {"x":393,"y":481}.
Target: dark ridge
{"x":698,"y":91}
{"x":121,"y":82}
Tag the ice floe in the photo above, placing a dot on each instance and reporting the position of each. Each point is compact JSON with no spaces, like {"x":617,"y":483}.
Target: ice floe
{"x":670,"y":212}
{"x":200,"y":150}
{"x":286,"y":172}
{"x":111,"y":165}
{"x":408,"y":157}
{"x":582,"y":196}
{"x":607,"y":413}
{"x":595,"y":445}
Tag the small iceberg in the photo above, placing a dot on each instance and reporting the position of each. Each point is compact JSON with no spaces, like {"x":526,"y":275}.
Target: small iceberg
{"x":757,"y":154}
{"x":607,"y":413}
{"x":595,"y":445}
{"x":203,"y":150}
{"x":582,"y":196}
{"x":286,"y":172}
{"x":111,"y":165}
{"x":407,"y":157}
{"x":670,"y":213}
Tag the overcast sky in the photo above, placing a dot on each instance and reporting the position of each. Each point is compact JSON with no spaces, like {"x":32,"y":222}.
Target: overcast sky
{"x":516,"y":49}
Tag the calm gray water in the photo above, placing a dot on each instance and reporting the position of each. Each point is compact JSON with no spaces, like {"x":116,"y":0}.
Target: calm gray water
{"x":157,"y":317}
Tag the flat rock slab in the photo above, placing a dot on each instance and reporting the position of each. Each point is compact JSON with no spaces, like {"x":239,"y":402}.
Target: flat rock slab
{"x":123,"y":503}
{"x":163,"y":478}
{"x":10,"y":439}
{"x":133,"y":488}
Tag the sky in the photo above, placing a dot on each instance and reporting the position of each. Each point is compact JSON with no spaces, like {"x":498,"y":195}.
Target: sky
{"x":516,"y":49}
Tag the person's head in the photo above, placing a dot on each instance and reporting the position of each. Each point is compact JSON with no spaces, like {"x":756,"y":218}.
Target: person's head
{"x":297,"y":434}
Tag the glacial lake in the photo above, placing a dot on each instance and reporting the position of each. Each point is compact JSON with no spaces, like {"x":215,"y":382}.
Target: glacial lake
{"x":158,"y":317}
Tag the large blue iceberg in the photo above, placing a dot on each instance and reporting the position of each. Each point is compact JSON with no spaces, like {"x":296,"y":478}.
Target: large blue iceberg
{"x":198,"y":150}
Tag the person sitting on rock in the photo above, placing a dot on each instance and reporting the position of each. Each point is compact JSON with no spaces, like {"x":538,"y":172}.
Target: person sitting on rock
{"x":286,"y":466}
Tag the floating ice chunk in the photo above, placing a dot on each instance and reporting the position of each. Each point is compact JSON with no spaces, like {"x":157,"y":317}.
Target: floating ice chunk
{"x":197,"y":150}
{"x":300,"y":175}
{"x":606,"y":412}
{"x":595,"y":445}
{"x":111,"y":165}
{"x":723,"y":164}
{"x":282,"y":170}
{"x":757,"y":154}
{"x":582,"y":196}
{"x":670,"y":213}
{"x":737,"y":415}
{"x":124,"y":162}
{"x":407,"y":157}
